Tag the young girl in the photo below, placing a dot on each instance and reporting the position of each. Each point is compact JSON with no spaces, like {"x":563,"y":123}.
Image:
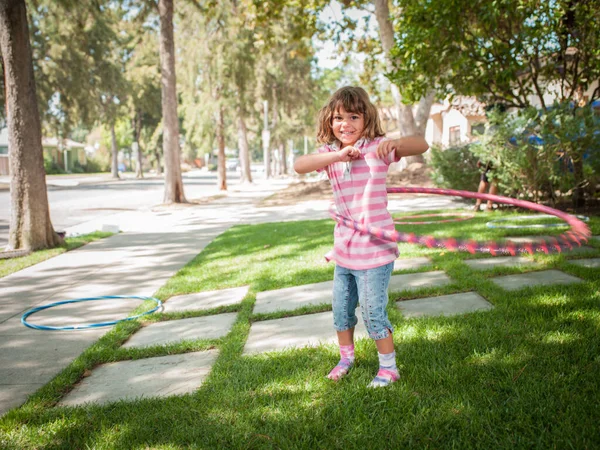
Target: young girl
{"x":356,"y":158}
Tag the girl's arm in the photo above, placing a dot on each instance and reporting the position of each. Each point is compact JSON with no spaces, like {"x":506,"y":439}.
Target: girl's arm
{"x":404,"y":146}
{"x":316,"y":161}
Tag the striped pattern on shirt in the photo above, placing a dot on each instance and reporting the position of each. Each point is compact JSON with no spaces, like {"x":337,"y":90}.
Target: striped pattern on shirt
{"x":360,"y":194}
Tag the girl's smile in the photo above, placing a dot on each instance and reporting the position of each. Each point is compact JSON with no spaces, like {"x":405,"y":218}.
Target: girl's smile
{"x":347,"y":127}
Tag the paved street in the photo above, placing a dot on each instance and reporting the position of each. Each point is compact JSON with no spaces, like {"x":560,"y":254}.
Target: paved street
{"x":75,"y":200}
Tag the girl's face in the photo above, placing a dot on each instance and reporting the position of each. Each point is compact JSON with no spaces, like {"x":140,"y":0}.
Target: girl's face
{"x":347,"y":126}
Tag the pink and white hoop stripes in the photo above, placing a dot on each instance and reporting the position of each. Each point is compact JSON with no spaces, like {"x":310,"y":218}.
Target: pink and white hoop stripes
{"x":578,"y":232}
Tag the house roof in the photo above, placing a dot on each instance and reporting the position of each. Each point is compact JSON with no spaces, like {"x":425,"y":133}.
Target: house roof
{"x":68,"y":143}
{"x":468,"y":106}
{"x":46,"y":142}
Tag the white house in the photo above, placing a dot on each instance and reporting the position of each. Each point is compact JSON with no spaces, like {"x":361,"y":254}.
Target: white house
{"x":65,"y":155}
{"x":71,"y":151}
{"x":455,"y":122}
{"x":449,"y":123}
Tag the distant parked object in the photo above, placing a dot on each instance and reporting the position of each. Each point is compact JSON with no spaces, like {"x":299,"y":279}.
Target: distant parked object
{"x":232,"y":164}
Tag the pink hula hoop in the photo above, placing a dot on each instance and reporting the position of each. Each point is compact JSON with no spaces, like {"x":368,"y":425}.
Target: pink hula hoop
{"x":578,"y":232}
{"x":458,"y":217}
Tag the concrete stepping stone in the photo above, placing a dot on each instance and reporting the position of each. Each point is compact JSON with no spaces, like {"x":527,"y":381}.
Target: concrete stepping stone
{"x":309,"y":330}
{"x":544,"y":277}
{"x":525,"y":239}
{"x":444,"y":305}
{"x":411,"y":263}
{"x":591,"y":263}
{"x":161,"y":333}
{"x":500,"y":261}
{"x":161,"y":376}
{"x":289,"y":299}
{"x":414,"y":281}
{"x":205,"y":300}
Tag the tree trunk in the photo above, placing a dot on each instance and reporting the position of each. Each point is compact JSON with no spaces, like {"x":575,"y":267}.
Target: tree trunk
{"x":30,"y":225}
{"x":222,"y":178}
{"x":274,"y":135}
{"x":277,"y":160}
{"x":422,"y":113}
{"x":578,"y":197}
{"x":114,"y":151}
{"x":420,"y":122}
{"x":137,"y":131}
{"x":282,"y":164}
{"x":173,"y":182}
{"x":158,"y":166}
{"x":407,"y":123}
{"x":139,"y":169}
{"x":246,"y":175}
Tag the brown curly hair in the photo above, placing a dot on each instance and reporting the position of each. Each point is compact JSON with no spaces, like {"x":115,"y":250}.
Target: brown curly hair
{"x":354,"y":100}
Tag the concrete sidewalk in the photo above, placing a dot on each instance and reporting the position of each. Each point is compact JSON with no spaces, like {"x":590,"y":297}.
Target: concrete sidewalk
{"x":79,"y":179}
{"x":153,"y":245}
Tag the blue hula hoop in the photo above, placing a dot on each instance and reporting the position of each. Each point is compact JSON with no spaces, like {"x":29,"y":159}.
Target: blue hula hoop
{"x":91,"y":325}
{"x":492,"y":223}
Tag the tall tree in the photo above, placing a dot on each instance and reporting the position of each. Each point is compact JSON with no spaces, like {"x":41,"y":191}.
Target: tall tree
{"x":173,"y":181}
{"x":79,"y":65}
{"x":143,"y":79}
{"x":207,"y":98}
{"x":511,"y":52}
{"x":408,"y":123}
{"x":349,"y":35}
{"x":30,"y":225}
{"x":284,"y":72}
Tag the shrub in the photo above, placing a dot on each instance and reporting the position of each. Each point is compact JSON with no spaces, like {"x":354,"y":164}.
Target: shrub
{"x":541,"y":154}
{"x":573,"y":135}
{"x":454,"y":168}
{"x":521,"y":166}
{"x":94,"y":165}
{"x":77,"y":168}
{"x":51,"y":167}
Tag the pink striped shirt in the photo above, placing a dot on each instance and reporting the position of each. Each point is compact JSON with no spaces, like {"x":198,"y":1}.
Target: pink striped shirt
{"x":360,"y":194}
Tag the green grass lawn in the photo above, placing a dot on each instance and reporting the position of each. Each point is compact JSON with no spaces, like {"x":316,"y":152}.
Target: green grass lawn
{"x":523,"y":375}
{"x":12,"y":265}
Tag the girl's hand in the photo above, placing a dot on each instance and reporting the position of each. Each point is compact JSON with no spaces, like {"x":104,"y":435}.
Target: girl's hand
{"x":386,"y":147}
{"x":404,"y":146}
{"x":348,"y":153}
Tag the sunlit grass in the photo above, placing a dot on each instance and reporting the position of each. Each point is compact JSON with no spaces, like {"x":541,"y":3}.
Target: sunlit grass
{"x":522,"y":375}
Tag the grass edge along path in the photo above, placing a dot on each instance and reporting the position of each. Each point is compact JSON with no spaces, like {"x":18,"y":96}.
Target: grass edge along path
{"x":522,"y":375}
{"x":11,"y":265}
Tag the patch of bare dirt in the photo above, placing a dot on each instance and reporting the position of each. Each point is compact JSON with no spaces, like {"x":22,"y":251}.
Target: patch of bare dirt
{"x":190,"y":203}
{"x":415,"y":175}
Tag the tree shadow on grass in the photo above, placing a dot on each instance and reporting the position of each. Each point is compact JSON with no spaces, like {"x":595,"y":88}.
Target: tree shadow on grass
{"x":508,"y":378}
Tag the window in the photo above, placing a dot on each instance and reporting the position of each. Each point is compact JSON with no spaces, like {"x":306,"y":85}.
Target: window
{"x":454,"y":135}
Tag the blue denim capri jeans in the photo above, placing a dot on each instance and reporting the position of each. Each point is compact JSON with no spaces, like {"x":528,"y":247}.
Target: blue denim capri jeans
{"x":369,"y":288}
